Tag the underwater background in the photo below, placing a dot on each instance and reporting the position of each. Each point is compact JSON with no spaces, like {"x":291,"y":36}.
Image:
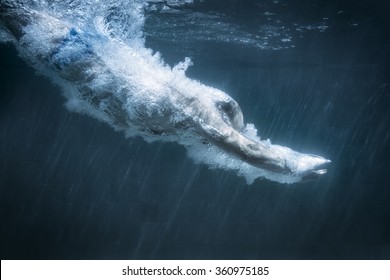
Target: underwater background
{"x":311,"y":75}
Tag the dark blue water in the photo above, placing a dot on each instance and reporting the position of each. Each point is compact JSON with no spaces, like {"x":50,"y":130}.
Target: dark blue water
{"x":72,"y":188}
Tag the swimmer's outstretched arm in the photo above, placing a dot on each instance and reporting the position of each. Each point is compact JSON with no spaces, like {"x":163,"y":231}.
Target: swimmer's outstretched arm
{"x":233,"y":142}
{"x":263,"y":155}
{"x":255,"y":153}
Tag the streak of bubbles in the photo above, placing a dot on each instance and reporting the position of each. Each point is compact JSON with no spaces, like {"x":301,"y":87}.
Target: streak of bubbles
{"x":188,"y":22}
